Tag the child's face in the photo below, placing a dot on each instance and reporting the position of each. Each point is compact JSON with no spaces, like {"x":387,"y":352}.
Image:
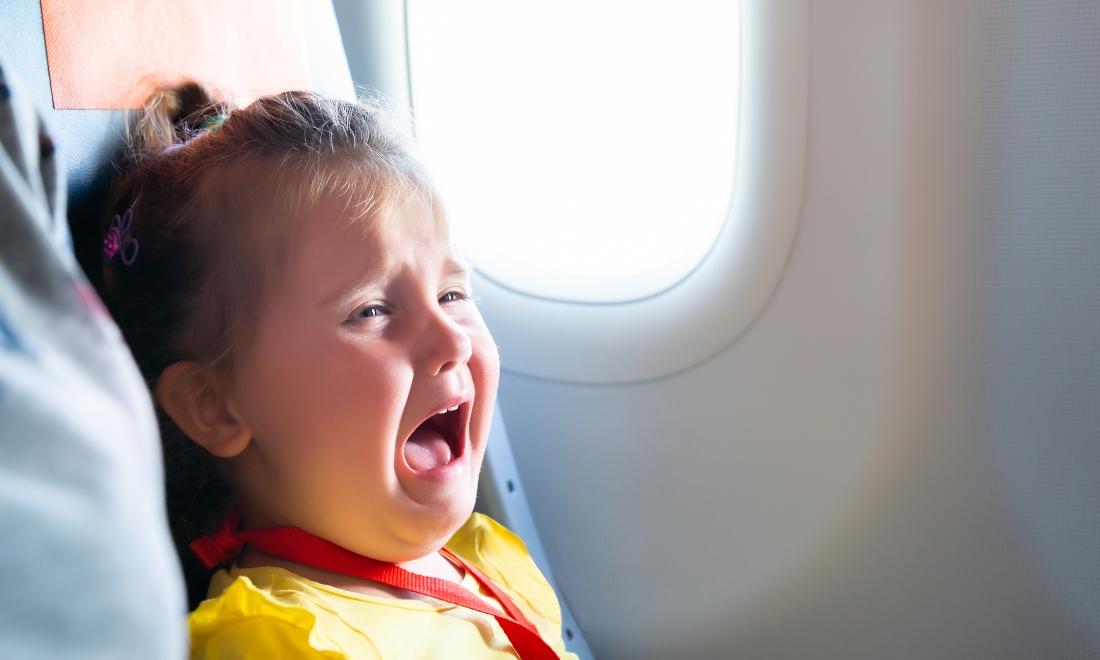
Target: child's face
{"x":368,"y":338}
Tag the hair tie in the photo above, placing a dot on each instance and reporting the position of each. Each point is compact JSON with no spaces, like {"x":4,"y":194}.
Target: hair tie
{"x":213,"y":122}
{"x":118,"y":240}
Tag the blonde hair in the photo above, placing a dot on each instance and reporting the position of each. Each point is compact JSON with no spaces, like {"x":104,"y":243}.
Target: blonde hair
{"x":217,"y":194}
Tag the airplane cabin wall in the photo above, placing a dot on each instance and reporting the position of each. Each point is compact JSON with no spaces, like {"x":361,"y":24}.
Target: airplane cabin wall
{"x":900,"y":457}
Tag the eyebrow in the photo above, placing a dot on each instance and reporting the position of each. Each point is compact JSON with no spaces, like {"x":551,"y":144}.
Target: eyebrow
{"x":455,"y":267}
{"x":366,"y":278}
{"x":371,"y":275}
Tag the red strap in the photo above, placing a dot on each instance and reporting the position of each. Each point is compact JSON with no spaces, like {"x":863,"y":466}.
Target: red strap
{"x":304,"y":548}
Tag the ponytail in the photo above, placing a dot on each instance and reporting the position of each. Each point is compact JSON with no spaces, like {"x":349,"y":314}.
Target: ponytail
{"x":173,"y":116}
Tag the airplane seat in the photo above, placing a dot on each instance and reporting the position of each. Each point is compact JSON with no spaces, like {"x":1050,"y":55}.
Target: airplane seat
{"x":89,"y":127}
{"x":86,"y":139}
{"x":89,"y":140}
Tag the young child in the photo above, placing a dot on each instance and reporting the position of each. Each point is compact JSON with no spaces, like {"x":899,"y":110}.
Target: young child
{"x":285,"y":277}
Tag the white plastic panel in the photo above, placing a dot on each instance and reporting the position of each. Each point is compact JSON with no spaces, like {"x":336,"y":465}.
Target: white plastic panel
{"x":500,"y":495}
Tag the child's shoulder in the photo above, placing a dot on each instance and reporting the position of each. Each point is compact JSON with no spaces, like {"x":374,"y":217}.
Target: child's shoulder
{"x":499,"y":553}
{"x":269,"y":613}
{"x":503,"y":557}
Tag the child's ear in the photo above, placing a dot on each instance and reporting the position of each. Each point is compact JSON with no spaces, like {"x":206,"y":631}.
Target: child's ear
{"x":191,"y":397}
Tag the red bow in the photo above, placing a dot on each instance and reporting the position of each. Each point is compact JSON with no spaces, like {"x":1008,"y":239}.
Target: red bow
{"x":222,"y":546}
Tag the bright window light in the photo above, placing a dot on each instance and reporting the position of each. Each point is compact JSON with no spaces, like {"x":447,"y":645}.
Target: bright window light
{"x":585,"y":148}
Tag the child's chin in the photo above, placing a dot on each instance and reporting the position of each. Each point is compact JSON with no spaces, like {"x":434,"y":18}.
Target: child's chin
{"x":455,"y":512}
{"x":442,"y":501}
{"x":435,"y":525}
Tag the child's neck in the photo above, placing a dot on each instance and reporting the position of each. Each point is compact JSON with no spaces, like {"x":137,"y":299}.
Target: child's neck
{"x":433,"y":565}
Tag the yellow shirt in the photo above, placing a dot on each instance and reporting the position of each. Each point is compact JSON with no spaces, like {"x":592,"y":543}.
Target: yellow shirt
{"x":265,"y":613}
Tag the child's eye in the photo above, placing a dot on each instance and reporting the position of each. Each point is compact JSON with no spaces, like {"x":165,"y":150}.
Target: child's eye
{"x":368,"y":312}
{"x":452,"y":296}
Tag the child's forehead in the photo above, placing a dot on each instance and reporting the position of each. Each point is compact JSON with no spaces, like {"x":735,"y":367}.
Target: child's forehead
{"x":315,"y":216}
{"x":399,"y":251}
{"x":389,"y":235}
{"x":386,"y":223}
{"x":361,"y":194}
{"x":377,"y":202}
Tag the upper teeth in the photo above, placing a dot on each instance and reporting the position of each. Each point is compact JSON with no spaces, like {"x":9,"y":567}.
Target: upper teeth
{"x":449,"y":410}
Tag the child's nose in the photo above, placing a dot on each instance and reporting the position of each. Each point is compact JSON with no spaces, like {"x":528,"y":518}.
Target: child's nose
{"x":446,"y":345}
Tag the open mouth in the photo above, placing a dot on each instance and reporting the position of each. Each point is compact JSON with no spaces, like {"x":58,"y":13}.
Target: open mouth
{"x":437,"y":441}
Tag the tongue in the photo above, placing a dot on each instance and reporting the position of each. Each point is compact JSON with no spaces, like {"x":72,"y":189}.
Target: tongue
{"x":426,"y":449}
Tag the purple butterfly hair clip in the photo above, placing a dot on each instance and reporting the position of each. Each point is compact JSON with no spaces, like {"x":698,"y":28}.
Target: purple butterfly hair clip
{"x":118,"y":240}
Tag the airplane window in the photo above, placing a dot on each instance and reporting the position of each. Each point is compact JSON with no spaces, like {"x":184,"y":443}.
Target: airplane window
{"x":627,"y":177}
{"x":586,"y":148}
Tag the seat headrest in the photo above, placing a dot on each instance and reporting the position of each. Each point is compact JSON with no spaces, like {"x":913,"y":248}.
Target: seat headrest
{"x":105,"y":54}
{"x":85,"y":61}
